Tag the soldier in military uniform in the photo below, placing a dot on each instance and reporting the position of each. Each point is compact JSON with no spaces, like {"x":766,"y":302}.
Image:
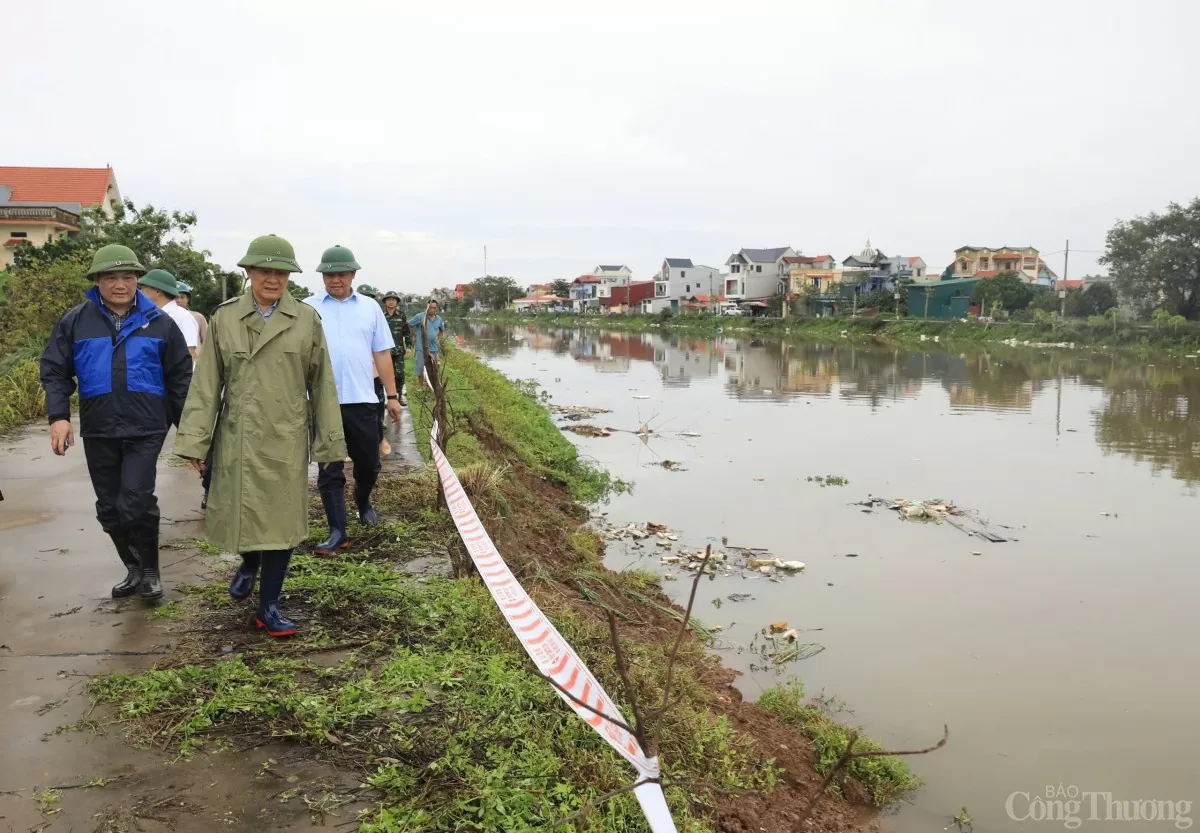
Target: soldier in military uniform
{"x":401,"y":334}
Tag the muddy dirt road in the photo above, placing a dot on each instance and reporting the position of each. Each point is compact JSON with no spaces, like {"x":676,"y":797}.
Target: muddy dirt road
{"x":58,"y":625}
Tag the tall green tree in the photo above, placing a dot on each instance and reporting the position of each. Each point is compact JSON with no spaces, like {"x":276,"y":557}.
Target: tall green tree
{"x":497,"y":292}
{"x":560,"y":288}
{"x":1009,"y":288}
{"x":1155,"y":260}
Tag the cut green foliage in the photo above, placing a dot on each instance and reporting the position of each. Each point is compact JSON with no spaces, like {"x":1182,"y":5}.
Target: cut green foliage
{"x":442,"y":707}
{"x":886,"y":779}
{"x":46,"y":799}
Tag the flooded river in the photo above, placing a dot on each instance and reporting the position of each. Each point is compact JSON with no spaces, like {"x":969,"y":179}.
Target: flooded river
{"x":1064,"y":659}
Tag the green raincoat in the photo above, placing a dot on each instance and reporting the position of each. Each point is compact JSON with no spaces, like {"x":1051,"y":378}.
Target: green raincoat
{"x":267,"y":386}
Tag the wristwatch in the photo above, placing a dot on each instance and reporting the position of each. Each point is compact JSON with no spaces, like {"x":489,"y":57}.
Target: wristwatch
{"x":390,"y":398}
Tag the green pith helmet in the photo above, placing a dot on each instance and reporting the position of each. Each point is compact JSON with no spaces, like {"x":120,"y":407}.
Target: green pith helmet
{"x":162,"y":280}
{"x":115,"y":258}
{"x":390,"y":294}
{"x":271,"y":252}
{"x":184,"y":289}
{"x":367,"y":289}
{"x":338,"y":259}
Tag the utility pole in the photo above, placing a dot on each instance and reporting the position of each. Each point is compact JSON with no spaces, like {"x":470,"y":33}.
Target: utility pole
{"x":485,"y":261}
{"x":1062,"y":293}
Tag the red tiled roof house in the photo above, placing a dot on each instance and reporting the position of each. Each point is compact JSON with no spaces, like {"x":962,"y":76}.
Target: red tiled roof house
{"x":38,"y":205}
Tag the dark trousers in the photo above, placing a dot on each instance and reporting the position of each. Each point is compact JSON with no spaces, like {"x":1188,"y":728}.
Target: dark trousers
{"x":360,"y":422}
{"x":398,"y":370}
{"x":123,"y":471}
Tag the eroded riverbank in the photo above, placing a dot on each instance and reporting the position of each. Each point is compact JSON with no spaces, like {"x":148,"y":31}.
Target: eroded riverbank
{"x":1054,"y":658}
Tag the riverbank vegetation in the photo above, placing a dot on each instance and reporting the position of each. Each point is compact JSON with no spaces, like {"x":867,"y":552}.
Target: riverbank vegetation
{"x":1161,"y":334}
{"x":415,"y":681}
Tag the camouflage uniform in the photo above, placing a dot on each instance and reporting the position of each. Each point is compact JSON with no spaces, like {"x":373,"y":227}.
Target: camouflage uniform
{"x":402,"y":336}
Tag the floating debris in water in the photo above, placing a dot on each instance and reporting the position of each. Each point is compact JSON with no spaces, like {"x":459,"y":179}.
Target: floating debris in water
{"x":588,"y":430}
{"x":828,"y":480}
{"x":938,"y":511}
{"x":577,"y":411}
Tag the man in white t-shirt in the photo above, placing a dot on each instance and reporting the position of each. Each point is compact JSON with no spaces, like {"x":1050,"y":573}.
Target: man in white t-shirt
{"x":185,"y":300}
{"x":160,"y":286}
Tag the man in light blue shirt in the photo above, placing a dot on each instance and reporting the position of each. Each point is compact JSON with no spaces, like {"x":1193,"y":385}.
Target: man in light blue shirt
{"x":428,"y":329}
{"x":359,"y":342}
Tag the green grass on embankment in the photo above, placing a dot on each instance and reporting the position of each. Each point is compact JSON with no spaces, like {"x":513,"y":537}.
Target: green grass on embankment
{"x":421,"y":686}
{"x":482,"y":403}
{"x":22,"y":399}
{"x":1140,"y":337}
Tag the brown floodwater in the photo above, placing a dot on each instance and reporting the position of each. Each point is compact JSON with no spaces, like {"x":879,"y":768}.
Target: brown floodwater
{"x":1064,"y":660}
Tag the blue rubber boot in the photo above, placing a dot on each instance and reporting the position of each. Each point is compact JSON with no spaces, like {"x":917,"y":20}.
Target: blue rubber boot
{"x":274,"y":568}
{"x":242,"y":583}
{"x":335,"y":511}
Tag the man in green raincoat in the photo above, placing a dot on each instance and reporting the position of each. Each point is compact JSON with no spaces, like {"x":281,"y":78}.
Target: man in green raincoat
{"x":266,"y":383}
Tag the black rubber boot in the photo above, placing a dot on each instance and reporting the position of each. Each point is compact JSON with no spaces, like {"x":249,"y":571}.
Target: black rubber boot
{"x":242,"y":584}
{"x":133,"y":574}
{"x":335,"y":511}
{"x":145,"y":544}
{"x":270,"y":588}
{"x":366,"y":512}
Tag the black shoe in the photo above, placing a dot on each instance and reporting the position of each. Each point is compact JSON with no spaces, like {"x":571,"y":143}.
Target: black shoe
{"x":204,"y":501}
{"x":274,"y":569}
{"x":133,"y":574}
{"x":145,"y":544}
{"x":242,"y":584}
{"x":335,"y":511}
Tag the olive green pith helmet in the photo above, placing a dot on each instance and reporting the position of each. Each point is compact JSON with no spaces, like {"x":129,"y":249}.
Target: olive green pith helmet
{"x":390,"y":294}
{"x":162,"y":280}
{"x":367,"y":289}
{"x":337,"y":259}
{"x":270,"y":252}
{"x":115,"y":258}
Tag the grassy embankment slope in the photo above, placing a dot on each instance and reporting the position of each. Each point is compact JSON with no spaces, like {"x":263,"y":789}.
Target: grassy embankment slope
{"x":434,"y":702}
{"x":1139,"y":337}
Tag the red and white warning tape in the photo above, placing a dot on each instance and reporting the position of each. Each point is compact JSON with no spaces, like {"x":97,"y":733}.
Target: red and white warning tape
{"x":552,"y":654}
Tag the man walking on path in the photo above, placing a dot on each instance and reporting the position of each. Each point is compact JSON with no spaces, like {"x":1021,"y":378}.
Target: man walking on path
{"x":132,"y":369}
{"x":185,"y":300}
{"x":360,"y":344}
{"x":160,"y":286}
{"x":267,"y":385}
{"x":427,"y":331}
{"x":401,"y":335}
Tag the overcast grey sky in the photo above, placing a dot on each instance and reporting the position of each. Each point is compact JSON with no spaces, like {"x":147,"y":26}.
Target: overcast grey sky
{"x":562,"y":135}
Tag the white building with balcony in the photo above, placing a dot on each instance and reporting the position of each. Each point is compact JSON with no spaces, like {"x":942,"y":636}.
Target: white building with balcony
{"x":680,"y":279}
{"x":608,"y":276}
{"x":755,"y":274}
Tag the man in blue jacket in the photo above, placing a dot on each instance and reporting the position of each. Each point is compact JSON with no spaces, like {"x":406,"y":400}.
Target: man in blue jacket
{"x":132,"y":369}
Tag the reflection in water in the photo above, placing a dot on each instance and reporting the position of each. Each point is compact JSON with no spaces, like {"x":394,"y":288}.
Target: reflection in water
{"x":1149,"y":413}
